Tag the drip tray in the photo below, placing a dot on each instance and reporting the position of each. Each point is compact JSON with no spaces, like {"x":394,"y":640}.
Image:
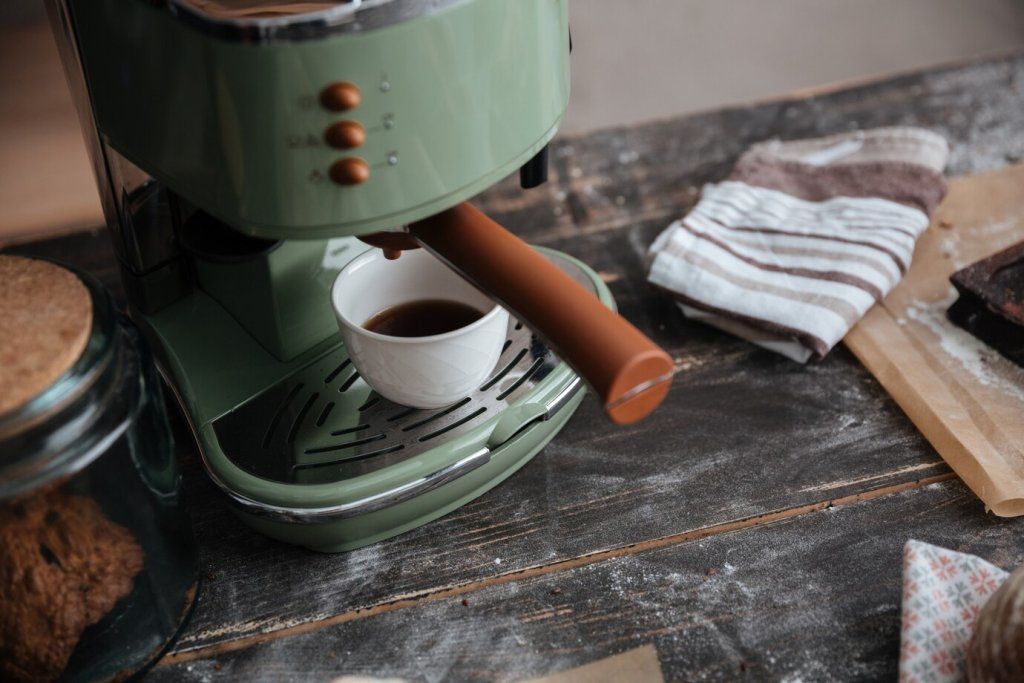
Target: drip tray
{"x":323,"y":424}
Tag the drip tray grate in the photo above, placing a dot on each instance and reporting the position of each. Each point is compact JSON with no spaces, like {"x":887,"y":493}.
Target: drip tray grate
{"x":324,"y":424}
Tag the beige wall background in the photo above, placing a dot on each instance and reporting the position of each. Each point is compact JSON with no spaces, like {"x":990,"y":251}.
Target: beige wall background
{"x":633,"y":60}
{"x":638,"y":59}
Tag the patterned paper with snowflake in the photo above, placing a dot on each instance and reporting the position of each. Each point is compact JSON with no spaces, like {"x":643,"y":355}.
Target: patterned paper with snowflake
{"x":943,"y":591}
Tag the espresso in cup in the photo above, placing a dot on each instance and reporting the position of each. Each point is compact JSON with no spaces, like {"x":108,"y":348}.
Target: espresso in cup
{"x":423,"y":318}
{"x":418,"y":333}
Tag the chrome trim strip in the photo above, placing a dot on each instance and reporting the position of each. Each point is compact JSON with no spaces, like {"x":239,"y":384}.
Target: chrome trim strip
{"x":364,"y":506}
{"x":563,"y":397}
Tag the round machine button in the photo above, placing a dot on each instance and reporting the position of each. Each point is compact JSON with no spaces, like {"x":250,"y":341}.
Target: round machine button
{"x":349,"y":171}
{"x":340,"y":96}
{"x":345,"y":135}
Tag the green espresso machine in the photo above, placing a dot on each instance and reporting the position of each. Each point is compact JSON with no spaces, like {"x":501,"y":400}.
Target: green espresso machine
{"x":237,"y":158}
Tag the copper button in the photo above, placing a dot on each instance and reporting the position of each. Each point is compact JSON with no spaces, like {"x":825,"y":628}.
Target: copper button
{"x":350,"y":171}
{"x":340,"y":96}
{"x":345,"y":134}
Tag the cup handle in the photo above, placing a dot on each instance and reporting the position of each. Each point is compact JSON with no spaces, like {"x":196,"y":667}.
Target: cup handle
{"x":628,"y":372}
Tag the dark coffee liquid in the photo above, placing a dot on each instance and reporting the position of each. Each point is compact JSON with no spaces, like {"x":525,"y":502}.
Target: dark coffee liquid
{"x":423,"y":318}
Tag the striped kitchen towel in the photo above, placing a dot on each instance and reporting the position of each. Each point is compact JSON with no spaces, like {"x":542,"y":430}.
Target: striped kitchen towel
{"x":804,"y":237}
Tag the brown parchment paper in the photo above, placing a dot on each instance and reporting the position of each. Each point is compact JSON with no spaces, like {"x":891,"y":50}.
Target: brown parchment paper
{"x":965,"y":398}
{"x":639,"y":665}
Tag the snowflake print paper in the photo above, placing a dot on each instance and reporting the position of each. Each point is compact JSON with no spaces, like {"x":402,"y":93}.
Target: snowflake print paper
{"x":943,"y":591}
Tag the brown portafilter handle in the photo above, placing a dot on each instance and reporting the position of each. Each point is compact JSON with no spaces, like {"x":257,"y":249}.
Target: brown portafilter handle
{"x":629,"y":372}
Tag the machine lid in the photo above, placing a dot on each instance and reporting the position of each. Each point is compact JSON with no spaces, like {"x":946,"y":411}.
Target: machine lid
{"x":266,"y":21}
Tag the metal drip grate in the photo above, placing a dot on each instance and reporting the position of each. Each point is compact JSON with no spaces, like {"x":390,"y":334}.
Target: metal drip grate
{"x":324,"y":424}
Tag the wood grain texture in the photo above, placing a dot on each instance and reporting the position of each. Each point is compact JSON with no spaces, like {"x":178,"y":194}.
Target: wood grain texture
{"x":742,"y":433}
{"x":744,"y":437}
{"x":620,"y":176}
{"x":814,"y":597}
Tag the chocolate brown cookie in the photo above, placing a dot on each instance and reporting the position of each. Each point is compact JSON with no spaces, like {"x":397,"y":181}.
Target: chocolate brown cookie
{"x":64,"y":566}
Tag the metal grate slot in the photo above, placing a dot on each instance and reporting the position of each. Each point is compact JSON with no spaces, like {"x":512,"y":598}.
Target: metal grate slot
{"x":343,"y":446}
{"x":346,"y":461}
{"x":336,"y":371}
{"x":301,"y":416}
{"x":522,"y":378}
{"x":436,"y":416}
{"x":348,"y":382}
{"x":458,"y":423}
{"x":369,"y":403}
{"x":350,"y":430}
{"x":505,"y":370}
{"x":276,"y":420}
{"x":324,"y":414}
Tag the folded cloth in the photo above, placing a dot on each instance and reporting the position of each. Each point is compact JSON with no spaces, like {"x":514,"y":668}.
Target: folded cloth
{"x":804,"y":237}
{"x":943,"y":593}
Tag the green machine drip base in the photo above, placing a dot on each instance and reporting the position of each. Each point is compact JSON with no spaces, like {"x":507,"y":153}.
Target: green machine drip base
{"x":308,"y":454}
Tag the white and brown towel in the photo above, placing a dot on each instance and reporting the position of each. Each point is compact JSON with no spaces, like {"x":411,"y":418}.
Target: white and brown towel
{"x":804,"y":237}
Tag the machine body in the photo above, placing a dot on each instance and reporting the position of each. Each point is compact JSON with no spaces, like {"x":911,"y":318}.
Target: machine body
{"x":448,"y":103}
{"x":236,"y":158}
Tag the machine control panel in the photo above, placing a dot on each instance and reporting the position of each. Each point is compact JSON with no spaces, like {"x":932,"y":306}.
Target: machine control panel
{"x":349,"y":171}
{"x":345,"y":135}
{"x":349,"y":133}
{"x":340,"y":96}
{"x":343,"y":96}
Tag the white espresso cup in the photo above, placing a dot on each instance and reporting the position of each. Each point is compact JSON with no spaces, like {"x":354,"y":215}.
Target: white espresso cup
{"x":421,"y":372}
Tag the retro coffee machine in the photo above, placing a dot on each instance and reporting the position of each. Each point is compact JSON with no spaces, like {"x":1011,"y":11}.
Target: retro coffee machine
{"x":236,"y":156}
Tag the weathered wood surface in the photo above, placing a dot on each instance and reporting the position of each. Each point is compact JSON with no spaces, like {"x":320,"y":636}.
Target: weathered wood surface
{"x":742,"y":434}
{"x":743,"y":438}
{"x":812,"y":597}
{"x":620,"y":176}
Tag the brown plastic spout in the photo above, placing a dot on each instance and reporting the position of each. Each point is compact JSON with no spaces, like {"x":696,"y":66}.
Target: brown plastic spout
{"x":630,"y":373}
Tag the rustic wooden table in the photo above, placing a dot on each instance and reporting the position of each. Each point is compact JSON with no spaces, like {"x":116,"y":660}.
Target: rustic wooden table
{"x":752,"y":527}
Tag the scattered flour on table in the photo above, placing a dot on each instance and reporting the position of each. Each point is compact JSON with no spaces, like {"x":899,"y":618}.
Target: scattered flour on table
{"x":638,"y":245}
{"x":1003,"y":229}
{"x":985,"y":364}
{"x":628,"y":156}
{"x":949,"y":248}
{"x":997,"y":234}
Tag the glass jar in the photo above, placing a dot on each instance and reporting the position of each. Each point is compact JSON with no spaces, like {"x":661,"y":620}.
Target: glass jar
{"x":98,"y":563}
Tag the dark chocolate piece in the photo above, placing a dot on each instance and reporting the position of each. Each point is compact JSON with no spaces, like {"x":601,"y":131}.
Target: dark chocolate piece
{"x":991,"y":302}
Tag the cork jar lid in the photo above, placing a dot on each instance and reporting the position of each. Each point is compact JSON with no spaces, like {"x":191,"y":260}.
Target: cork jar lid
{"x":45,"y":322}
